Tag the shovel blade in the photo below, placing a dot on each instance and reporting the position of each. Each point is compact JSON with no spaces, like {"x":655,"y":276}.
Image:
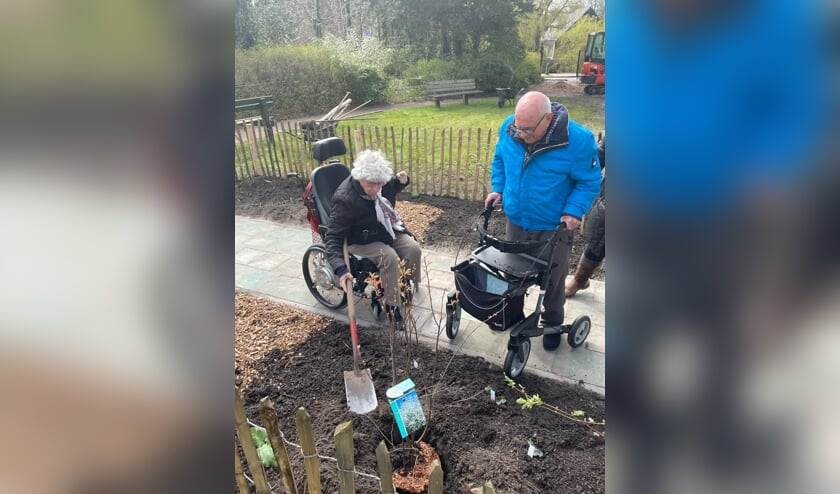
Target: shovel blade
{"x":361,"y":397}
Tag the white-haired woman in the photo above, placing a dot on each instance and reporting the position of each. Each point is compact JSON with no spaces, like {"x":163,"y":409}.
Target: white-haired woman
{"x":363,"y":213}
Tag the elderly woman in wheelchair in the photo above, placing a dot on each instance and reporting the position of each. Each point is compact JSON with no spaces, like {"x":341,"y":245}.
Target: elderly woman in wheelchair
{"x":361,"y":214}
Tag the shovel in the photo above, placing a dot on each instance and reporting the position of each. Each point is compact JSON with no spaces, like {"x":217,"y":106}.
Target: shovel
{"x":361,"y":397}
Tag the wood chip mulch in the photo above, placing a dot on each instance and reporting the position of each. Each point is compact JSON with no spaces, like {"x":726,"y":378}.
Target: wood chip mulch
{"x":262,"y":326}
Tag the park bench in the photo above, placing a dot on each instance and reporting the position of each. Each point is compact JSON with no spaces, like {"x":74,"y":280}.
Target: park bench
{"x":437,"y":90}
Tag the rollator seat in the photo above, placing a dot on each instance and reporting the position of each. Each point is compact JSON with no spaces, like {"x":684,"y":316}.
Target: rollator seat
{"x":519,"y":266}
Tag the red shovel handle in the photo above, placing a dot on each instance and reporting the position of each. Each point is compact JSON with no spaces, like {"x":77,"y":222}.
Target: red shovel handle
{"x":351,"y":310}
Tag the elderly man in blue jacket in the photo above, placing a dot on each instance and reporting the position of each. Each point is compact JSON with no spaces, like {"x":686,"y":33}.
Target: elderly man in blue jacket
{"x":545,"y":172}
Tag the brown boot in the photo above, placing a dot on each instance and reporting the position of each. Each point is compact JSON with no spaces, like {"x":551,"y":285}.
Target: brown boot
{"x":580,"y":280}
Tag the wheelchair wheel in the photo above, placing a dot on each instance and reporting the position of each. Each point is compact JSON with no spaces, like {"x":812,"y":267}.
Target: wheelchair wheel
{"x":579,"y":331}
{"x":376,"y":309}
{"x":319,"y":277}
{"x":453,"y":318}
{"x":517,"y":358}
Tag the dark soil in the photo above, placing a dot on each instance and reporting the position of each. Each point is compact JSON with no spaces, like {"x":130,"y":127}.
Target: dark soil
{"x":477,"y":439}
{"x":440,"y":223}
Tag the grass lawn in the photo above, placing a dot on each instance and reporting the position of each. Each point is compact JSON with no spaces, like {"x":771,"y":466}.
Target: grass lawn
{"x":482,"y":113}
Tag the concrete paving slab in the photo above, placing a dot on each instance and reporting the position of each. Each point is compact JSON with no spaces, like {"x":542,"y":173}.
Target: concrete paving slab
{"x":247,"y":276}
{"x":267,"y":244}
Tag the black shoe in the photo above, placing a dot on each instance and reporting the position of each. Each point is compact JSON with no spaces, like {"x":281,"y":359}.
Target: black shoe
{"x":394,"y":315}
{"x":551,"y":341}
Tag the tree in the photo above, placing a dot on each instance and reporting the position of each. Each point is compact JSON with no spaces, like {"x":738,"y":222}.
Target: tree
{"x":572,"y":41}
{"x":273,"y":22}
{"x":244,"y":24}
{"x":455,"y":28}
{"x":536,"y":23}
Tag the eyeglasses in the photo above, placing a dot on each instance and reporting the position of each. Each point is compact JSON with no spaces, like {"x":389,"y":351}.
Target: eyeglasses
{"x":528,"y":130}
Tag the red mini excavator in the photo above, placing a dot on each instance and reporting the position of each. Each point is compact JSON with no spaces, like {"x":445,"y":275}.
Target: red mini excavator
{"x":593,"y":73}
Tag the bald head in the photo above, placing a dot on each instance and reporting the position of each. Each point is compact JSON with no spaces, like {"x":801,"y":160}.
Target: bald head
{"x":534,"y":101}
{"x":532,"y":116}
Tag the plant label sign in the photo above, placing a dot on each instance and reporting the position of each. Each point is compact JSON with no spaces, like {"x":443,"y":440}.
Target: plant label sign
{"x":405,"y":405}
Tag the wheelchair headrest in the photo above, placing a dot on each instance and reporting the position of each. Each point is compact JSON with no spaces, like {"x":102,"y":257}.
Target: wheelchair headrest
{"x":327,"y":148}
{"x":325,"y":180}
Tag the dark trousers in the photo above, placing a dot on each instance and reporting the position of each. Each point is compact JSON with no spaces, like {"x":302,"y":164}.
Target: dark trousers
{"x":555,"y":297}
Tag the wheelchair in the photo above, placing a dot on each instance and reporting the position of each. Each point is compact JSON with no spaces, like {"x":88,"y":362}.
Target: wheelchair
{"x":322,"y":282}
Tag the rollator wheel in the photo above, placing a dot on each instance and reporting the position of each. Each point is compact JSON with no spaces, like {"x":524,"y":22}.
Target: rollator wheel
{"x":453,"y":318}
{"x":579,"y":331}
{"x":517,"y":358}
{"x":376,"y":309}
{"x":319,"y":278}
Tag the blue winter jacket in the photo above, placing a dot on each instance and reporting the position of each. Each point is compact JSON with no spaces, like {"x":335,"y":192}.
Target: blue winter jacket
{"x":557,"y":175}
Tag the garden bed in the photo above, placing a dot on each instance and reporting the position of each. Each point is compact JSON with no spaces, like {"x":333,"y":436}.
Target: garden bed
{"x":296,"y":359}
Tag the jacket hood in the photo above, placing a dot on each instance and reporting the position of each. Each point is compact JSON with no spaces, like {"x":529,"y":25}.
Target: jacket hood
{"x":558,"y":131}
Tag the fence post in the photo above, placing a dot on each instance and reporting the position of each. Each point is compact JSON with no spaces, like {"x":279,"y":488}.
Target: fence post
{"x":413,"y":187}
{"x":436,"y":478}
{"x":383,"y":463}
{"x":270,"y":422}
{"x":237,"y":132}
{"x":451,"y":159}
{"x":478,"y":162}
{"x":469,"y":166}
{"x":426,"y":158}
{"x":458,"y":166}
{"x":243,"y":431}
{"x":358,"y":143}
{"x":310,"y":456}
{"x":343,"y":437}
{"x":241,"y":483}
{"x":252,"y":143}
{"x":488,"y":488}
{"x":394,"y":148}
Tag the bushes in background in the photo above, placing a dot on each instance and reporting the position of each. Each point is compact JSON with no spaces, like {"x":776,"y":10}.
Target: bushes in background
{"x":307,"y":80}
{"x":311,"y":79}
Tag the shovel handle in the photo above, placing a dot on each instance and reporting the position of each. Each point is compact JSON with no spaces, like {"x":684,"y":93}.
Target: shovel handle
{"x":351,"y":310}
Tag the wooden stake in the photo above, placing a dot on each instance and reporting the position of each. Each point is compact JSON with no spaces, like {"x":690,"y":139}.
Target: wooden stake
{"x":343,"y":437}
{"x":310,"y":456}
{"x":269,"y":419}
{"x":383,"y":463}
{"x":241,"y":482}
{"x":243,"y":431}
{"x":436,"y":478}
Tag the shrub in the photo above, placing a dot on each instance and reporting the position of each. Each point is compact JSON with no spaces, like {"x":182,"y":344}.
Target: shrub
{"x":401,"y":91}
{"x":300,"y":78}
{"x":491,"y":73}
{"x":363,"y":84}
{"x":436,"y":69}
{"x":362,"y":53}
{"x":304,"y":79}
{"x":528,"y":70}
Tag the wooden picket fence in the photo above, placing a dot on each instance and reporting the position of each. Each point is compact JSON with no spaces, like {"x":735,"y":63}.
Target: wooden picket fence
{"x":343,"y":437}
{"x":440,"y":161}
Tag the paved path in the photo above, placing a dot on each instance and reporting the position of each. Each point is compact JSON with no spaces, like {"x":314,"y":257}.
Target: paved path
{"x":268,"y":263}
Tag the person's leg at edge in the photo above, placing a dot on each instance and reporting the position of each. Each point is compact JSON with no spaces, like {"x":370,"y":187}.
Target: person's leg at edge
{"x":409,"y":250}
{"x":388,"y":262}
{"x":555,"y":297}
